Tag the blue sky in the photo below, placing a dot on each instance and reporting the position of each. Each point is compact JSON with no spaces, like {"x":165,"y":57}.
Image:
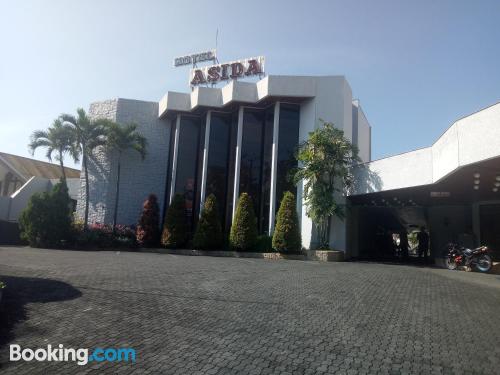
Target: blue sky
{"x":416,"y":66}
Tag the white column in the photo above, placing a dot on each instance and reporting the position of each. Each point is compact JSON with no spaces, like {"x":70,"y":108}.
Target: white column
{"x":274,"y":167}
{"x":205,"y":160}
{"x":174,"y":157}
{"x":237,"y":161}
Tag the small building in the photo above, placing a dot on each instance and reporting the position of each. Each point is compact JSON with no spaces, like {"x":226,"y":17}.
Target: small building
{"x":20,"y":177}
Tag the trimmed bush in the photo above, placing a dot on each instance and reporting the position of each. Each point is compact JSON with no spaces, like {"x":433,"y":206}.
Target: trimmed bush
{"x":148,"y":228}
{"x":47,"y":220}
{"x":175,"y":228}
{"x":286,"y":237}
{"x":243,"y":235}
{"x":208,"y":235}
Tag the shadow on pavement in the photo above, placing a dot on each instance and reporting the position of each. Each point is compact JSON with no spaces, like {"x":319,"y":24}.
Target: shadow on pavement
{"x":23,"y":290}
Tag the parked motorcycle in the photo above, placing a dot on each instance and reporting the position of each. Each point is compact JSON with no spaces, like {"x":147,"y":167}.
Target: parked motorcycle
{"x":457,"y":256}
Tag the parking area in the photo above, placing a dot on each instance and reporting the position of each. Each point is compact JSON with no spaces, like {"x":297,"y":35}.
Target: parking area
{"x":207,"y":315}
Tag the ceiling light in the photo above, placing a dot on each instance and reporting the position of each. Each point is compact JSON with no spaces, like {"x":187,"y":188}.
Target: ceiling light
{"x":497,"y":184}
{"x":476,"y":182}
{"x":476,"y":187}
{"x":477,"y":175}
{"x":495,"y":189}
{"x":497,"y":178}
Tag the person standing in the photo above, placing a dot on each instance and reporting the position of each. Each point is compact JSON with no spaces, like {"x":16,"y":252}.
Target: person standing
{"x":403,"y":244}
{"x":423,"y":244}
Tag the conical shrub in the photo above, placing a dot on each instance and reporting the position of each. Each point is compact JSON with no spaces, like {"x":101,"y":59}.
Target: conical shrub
{"x":286,"y":237}
{"x":175,"y":228}
{"x":208,"y":235}
{"x":148,"y":227}
{"x":243,"y":235}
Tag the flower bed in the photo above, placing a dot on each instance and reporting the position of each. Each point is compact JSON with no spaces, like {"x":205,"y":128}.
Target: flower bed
{"x":103,"y":236}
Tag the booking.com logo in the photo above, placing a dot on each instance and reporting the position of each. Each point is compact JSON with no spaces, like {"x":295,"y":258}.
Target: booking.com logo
{"x":80,"y":356}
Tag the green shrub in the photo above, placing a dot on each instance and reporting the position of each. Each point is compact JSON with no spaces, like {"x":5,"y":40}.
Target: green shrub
{"x":243,"y":235}
{"x":264,"y":244}
{"x":208,"y":235}
{"x":148,"y":228}
{"x":286,"y":237}
{"x":175,"y":228}
{"x":47,"y":220}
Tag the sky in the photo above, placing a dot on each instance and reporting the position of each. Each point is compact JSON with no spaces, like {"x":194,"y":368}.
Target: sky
{"x":416,"y":66}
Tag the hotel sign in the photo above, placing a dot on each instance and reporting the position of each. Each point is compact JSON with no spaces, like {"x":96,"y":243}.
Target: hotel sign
{"x":232,"y":70}
{"x":195,"y":58}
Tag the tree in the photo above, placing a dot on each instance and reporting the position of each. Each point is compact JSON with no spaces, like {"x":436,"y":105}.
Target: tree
{"x":46,"y":221}
{"x":121,"y":138}
{"x":175,"y":228}
{"x":88,"y":135}
{"x":208,"y":233}
{"x":286,"y":236}
{"x":148,"y":228}
{"x":325,"y":165}
{"x":243,"y":235}
{"x":58,"y":139}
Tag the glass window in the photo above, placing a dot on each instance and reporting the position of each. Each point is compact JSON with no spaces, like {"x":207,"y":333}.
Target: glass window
{"x":287,"y":145}
{"x":169,"y":167}
{"x":218,"y":160}
{"x":188,"y":162}
{"x":255,"y":171}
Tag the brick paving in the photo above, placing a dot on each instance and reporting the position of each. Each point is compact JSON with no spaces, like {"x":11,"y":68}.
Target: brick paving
{"x":205,"y":315}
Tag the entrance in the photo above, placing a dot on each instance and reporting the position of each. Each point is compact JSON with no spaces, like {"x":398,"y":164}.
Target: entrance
{"x":463,"y":208}
{"x":489,"y":216}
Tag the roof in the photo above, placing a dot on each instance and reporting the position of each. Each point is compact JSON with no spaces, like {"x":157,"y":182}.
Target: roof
{"x":470,"y":140}
{"x":27,"y":168}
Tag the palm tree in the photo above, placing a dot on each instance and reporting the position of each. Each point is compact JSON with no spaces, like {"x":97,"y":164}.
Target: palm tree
{"x":121,"y":138}
{"x":89,"y":134}
{"x":57,"y":138}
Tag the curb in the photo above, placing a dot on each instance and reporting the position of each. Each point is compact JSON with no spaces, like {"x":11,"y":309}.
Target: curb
{"x":322,"y":256}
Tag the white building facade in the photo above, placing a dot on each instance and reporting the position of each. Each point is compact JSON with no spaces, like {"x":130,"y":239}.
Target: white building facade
{"x":224,"y":141}
{"x":241,"y":137}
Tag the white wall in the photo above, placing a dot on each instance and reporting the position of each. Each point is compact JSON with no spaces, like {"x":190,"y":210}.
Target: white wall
{"x":19,"y":200}
{"x":4,"y":207}
{"x":364,"y":141}
{"x":332,"y":102}
{"x":469,"y":140}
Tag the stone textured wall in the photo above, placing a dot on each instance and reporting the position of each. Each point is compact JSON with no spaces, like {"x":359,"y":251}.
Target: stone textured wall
{"x":99,"y":170}
{"x":138,"y":177}
{"x":142,"y":177}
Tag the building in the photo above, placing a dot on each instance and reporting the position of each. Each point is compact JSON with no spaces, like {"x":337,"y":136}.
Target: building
{"x":451,"y":188}
{"x":240,"y":138}
{"x":20,"y":177}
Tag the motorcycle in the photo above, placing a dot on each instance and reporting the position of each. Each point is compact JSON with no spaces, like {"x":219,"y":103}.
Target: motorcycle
{"x":457,"y":256}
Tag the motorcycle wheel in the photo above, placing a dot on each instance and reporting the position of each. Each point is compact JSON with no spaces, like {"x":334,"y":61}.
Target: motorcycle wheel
{"x":450,"y":263}
{"x":484,"y":263}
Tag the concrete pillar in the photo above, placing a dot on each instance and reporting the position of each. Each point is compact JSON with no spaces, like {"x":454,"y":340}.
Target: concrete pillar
{"x":205,"y":160}
{"x":237,"y":161}
{"x":274,"y":167}
{"x":174,"y":157}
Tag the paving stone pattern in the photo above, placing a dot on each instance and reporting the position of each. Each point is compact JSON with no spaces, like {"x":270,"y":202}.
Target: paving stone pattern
{"x":204,"y":315}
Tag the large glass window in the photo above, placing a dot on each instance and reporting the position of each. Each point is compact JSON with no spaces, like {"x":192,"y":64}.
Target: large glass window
{"x":287,"y":145}
{"x":255,"y":171}
{"x":188,"y":152}
{"x":218,"y":160}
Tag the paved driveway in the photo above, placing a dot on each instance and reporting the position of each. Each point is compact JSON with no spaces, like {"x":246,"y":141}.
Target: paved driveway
{"x":209,"y":315}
